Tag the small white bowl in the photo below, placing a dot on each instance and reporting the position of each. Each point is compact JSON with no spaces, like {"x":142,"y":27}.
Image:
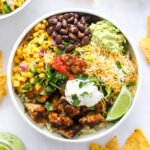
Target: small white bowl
{"x":18,"y":104}
{"x":3,"y":16}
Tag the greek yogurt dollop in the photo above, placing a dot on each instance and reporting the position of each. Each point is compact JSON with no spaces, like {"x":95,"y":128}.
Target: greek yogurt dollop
{"x":87,"y":95}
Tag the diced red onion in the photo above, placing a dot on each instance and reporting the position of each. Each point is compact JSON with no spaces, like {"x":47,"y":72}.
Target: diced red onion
{"x":42,"y":53}
{"x":23,"y":67}
{"x":10,"y":3}
{"x":53,"y":42}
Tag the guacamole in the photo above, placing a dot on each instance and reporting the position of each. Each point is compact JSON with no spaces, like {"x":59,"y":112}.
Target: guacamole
{"x":107,"y":36}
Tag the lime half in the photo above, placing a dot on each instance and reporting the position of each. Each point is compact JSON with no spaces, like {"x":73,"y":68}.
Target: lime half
{"x":121,"y":105}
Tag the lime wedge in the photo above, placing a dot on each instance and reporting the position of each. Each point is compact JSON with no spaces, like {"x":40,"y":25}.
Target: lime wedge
{"x":121,"y":105}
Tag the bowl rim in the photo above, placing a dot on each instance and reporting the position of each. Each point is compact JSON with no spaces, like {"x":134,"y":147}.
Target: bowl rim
{"x":9,"y":71}
{"x":4,"y":16}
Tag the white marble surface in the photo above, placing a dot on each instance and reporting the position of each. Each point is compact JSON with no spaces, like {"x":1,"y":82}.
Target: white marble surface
{"x":130,"y":14}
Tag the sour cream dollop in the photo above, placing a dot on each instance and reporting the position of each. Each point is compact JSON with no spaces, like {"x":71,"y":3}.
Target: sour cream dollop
{"x":88,"y":95}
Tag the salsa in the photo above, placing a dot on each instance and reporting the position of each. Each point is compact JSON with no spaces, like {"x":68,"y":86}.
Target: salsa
{"x":69,"y":65}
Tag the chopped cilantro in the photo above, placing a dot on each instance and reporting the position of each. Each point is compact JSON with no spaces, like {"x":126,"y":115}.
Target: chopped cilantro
{"x":132,"y":83}
{"x":82,"y":76}
{"x":42,"y":93}
{"x":48,"y":106}
{"x":75,"y":52}
{"x":86,"y":25}
{"x":75,"y":99}
{"x":32,"y":68}
{"x":118,"y":64}
{"x":59,"y":52}
{"x":91,"y":108}
{"x":27,"y":87}
{"x":94,"y":79}
{"x":54,"y":85}
{"x":81,"y":84}
{"x":65,"y":43}
{"x":84,"y":94}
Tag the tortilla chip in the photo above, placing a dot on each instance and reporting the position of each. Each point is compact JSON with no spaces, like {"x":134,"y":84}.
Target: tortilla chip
{"x":137,"y":141}
{"x":145,"y":44}
{"x":94,"y":146}
{"x":0,"y":62}
{"x":148,"y":32}
{"x":113,"y":144}
{"x":3,"y":79}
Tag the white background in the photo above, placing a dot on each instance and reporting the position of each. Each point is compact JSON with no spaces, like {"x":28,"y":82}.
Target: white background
{"x":130,"y":14}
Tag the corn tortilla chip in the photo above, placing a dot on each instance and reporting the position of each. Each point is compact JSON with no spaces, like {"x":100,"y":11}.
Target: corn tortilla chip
{"x":145,"y":44}
{"x":3,"y":79}
{"x":113,"y":144}
{"x":94,"y":146}
{"x":0,"y":62}
{"x":148,"y":33}
{"x":137,"y":141}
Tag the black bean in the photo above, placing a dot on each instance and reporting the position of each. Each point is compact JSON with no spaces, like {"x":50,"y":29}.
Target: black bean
{"x":82,"y":20}
{"x":54,"y":34}
{"x":85,"y":40}
{"x":65,"y":38}
{"x":50,"y":30}
{"x":47,"y":25}
{"x":70,"y":47}
{"x":90,"y":36}
{"x":64,"y":23}
{"x":72,"y":14}
{"x":58,"y":26}
{"x":73,"y":29}
{"x":52,"y":21}
{"x":76,"y":15}
{"x":66,"y":16}
{"x":80,"y":35}
{"x":72,"y":36}
{"x":81,"y":26}
{"x":60,"y":17}
{"x":58,"y":39}
{"x":70,"y":20}
{"x":76,"y":21}
{"x":87,"y":18}
{"x":61,"y":46}
{"x":63,"y":31}
{"x":87,"y":30}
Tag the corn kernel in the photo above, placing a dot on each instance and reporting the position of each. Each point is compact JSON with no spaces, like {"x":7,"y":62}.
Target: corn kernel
{"x":44,"y":21}
{"x":41,"y":75}
{"x":18,"y":51}
{"x":41,"y":64}
{"x":37,"y":60}
{"x":23,"y":79}
{"x":16,"y":76}
{"x":36,"y":34}
{"x":15,"y":69}
{"x":12,"y":7}
{"x":16,"y":83}
{"x":30,"y":75}
{"x":37,"y":87}
{"x":39,"y":70}
{"x":55,"y":48}
{"x":24,"y":74}
{"x":32,"y":80}
{"x":46,"y":44}
{"x":16,"y":59}
{"x":36,"y":56}
{"x":41,"y":31}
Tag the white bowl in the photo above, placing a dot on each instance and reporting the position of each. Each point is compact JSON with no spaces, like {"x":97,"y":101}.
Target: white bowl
{"x":18,"y":104}
{"x":3,"y":16}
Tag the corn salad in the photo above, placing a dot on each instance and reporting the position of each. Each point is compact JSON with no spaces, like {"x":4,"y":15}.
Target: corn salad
{"x":35,"y":55}
{"x":7,"y":6}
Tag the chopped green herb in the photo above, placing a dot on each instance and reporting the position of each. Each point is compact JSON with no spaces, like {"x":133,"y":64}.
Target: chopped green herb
{"x":48,"y":106}
{"x":25,"y":109}
{"x":86,"y":25}
{"x":91,"y":108}
{"x":106,"y":90}
{"x":60,"y":52}
{"x":27,"y":87}
{"x":48,"y":89}
{"x":54,"y":85}
{"x":42,"y":93}
{"x":58,"y":76}
{"x":95,"y":80}
{"x":65,"y":43}
{"x":75,"y":99}
{"x":132,"y":83}
{"x":84,"y":94}
{"x":32,"y":68}
{"x":6,"y":9}
{"x":82,"y":77}
{"x":118,"y":64}
{"x":126,"y":47}
{"x":81,"y":84}
{"x":75,"y":52}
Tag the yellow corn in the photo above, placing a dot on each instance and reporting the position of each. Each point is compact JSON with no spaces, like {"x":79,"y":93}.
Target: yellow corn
{"x":32,"y":80}
{"x":46,"y":44}
{"x":41,"y":75}
{"x":37,"y":87}
{"x":30,"y":75}
{"x":41,"y":64}
{"x":15,"y":69}
{"x":22,"y":79}
{"x":24,"y":74}
{"x":39,"y":70}
{"x":16,"y":59}
{"x":16,"y":83}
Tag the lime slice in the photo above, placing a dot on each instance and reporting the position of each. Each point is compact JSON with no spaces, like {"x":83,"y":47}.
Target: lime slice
{"x":121,"y":105}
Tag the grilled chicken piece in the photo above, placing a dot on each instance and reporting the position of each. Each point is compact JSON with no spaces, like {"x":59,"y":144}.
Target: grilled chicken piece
{"x":32,"y":94}
{"x":36,"y":112}
{"x":92,"y":120}
{"x":63,"y":106}
{"x":59,"y":121}
{"x":99,"y":108}
{"x":70,"y":132}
